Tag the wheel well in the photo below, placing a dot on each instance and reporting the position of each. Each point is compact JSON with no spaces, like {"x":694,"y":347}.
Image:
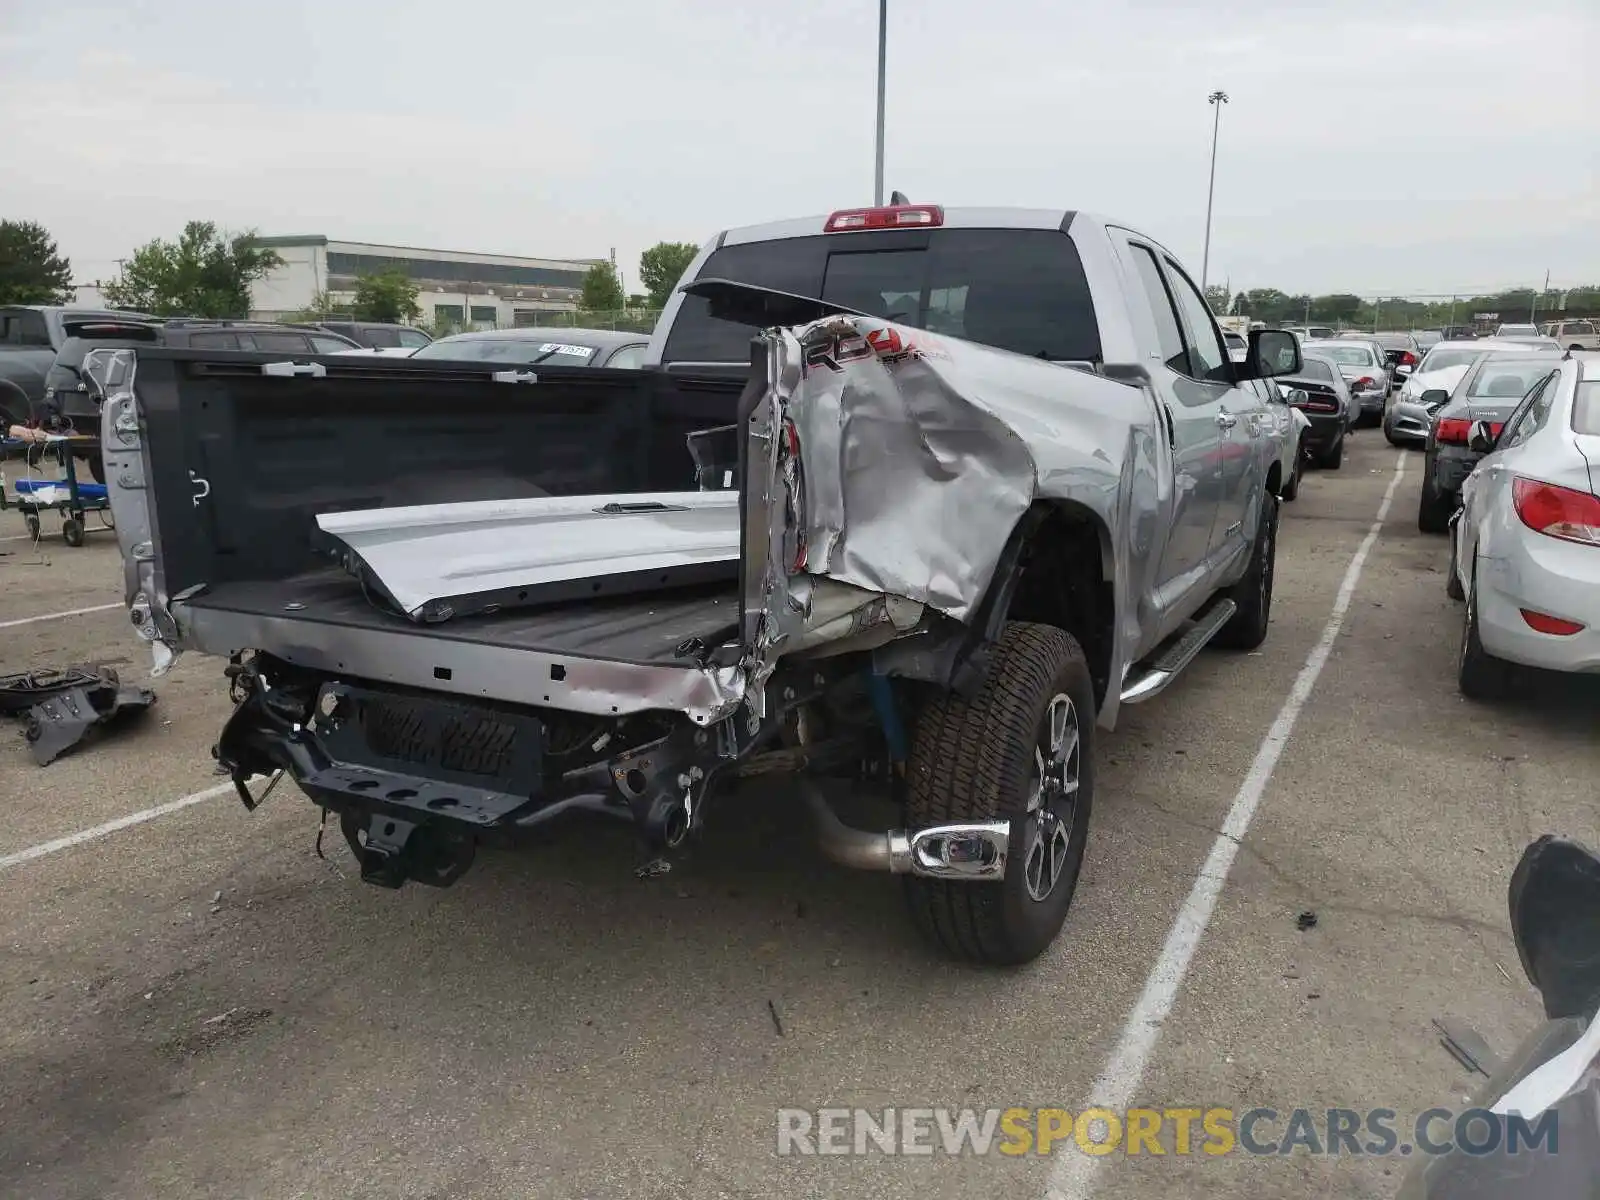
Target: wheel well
{"x":14,"y":402}
{"x":1065,"y":581}
{"x":1275,"y":478}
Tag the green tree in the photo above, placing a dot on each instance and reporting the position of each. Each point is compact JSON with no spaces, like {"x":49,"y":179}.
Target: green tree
{"x":322,"y":307}
{"x":1335,"y":308}
{"x":204,"y":273}
{"x":661,"y":266}
{"x":31,"y":269}
{"x":390,"y":297}
{"x":1217,"y":298}
{"x":602,"y":290}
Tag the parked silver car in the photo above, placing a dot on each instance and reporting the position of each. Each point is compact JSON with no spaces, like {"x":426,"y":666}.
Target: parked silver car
{"x":1365,"y":367}
{"x":1406,"y":418}
{"x":1526,"y":542}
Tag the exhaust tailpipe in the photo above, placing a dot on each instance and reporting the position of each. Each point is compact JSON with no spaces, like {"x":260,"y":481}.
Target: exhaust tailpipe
{"x":970,"y":851}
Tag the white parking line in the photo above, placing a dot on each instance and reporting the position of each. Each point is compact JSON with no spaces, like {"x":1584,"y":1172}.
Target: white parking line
{"x":71,"y":612}
{"x":1072,"y":1176}
{"x":100,"y":831}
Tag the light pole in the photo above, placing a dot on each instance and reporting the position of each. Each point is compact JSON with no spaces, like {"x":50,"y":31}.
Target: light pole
{"x":883,"y":46}
{"x":1216,"y":100}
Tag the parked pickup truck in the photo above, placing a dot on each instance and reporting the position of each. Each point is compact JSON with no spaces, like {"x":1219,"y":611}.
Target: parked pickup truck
{"x":918,"y":495}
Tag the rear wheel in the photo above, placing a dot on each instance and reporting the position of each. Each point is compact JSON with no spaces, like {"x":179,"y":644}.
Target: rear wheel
{"x":72,"y":531}
{"x":1247,"y":628}
{"x":1452,"y":585}
{"x":1021,"y":750}
{"x":1333,"y":457}
{"x":1433,"y":507}
{"x":1479,"y":675}
{"x":1289,"y":491}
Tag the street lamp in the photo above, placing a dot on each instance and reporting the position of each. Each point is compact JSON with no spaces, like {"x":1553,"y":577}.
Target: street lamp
{"x":1216,"y":100}
{"x":883,"y":40}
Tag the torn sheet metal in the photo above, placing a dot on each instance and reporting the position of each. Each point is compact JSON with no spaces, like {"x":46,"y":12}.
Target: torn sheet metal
{"x":64,"y":707}
{"x":436,"y":561}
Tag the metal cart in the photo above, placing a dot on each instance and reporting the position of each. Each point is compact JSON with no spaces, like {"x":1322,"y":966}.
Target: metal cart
{"x":67,"y":496}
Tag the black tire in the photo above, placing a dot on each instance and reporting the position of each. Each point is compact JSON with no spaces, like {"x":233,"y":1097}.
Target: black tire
{"x":1247,"y":628}
{"x":1333,"y":457}
{"x":1452,"y":585}
{"x":1290,"y":491}
{"x":1388,"y":436}
{"x":975,"y":760}
{"x":1433,"y":507}
{"x":72,"y":531}
{"x":1479,"y":675}
{"x":34,"y":528}
{"x":97,"y":468}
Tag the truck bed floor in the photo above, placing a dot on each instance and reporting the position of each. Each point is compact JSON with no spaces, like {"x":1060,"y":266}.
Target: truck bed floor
{"x":636,"y":629}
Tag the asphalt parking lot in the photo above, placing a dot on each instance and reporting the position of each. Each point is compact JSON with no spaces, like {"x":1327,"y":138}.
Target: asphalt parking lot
{"x":197,"y":1005}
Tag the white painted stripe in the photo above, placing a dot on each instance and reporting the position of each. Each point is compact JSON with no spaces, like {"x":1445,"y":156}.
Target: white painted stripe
{"x":100,"y":831}
{"x":71,"y":612}
{"x":1072,"y":1176}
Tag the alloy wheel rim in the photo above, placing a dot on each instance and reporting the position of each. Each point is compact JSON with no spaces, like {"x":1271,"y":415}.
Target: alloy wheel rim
{"x":1057,"y":759}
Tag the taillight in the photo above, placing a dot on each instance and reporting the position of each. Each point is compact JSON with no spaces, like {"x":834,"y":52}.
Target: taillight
{"x":1365,"y":383}
{"x":1408,"y":359}
{"x":1544,"y":623}
{"x":1557,"y":512}
{"x":893,"y":216}
{"x":1457,"y":432}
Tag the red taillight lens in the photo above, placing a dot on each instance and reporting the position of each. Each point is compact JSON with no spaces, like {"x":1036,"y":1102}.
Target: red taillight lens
{"x":894,"y":216}
{"x":1453,"y":431}
{"x":1557,"y":512}
{"x":1545,"y":623}
{"x":1364,"y":383}
{"x":1408,"y":359}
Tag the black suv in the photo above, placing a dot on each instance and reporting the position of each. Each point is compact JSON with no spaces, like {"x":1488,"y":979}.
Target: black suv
{"x":68,"y":406}
{"x":375,"y":335}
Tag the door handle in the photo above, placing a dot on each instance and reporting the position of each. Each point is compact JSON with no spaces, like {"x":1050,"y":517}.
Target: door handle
{"x":1226,"y":419}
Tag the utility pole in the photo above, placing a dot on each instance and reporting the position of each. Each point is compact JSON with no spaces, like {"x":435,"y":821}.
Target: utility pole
{"x":1216,"y":100}
{"x":1533,"y":308}
{"x":883,"y":49}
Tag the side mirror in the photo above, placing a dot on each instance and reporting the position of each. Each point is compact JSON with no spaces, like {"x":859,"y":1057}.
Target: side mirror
{"x":1271,"y":352}
{"x":1295,"y":396}
{"x":1479,"y":439}
{"x":1434,"y":397}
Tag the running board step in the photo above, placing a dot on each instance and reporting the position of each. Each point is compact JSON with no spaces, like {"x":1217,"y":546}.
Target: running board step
{"x":1152,"y":679}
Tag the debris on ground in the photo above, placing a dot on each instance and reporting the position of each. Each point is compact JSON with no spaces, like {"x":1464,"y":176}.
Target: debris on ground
{"x":1306,"y":920}
{"x":62,"y":707}
{"x":777,"y":1022}
{"x":1468,"y":1049}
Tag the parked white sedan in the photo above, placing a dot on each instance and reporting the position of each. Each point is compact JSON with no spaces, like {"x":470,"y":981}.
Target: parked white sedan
{"x":1526,"y":540}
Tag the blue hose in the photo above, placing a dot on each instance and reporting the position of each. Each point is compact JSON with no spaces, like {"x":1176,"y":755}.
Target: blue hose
{"x":894,"y":731}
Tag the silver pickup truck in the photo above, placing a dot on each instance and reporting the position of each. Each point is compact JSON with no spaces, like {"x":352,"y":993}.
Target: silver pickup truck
{"x":915,"y":495}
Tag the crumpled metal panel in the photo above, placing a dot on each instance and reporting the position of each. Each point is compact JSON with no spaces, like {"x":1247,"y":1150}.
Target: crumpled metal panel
{"x":899,"y":462}
{"x":430,"y":553}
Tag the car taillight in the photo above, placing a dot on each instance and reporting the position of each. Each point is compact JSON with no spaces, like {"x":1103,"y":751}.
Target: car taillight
{"x":1408,"y":359}
{"x":893,"y":216}
{"x":1365,"y":383}
{"x":1545,"y":623}
{"x":1557,"y":512}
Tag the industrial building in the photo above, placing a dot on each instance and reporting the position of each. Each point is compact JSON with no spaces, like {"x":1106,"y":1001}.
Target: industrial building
{"x":483,"y":291}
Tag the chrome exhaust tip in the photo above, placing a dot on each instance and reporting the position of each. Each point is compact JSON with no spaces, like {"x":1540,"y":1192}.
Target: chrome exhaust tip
{"x":974,"y":852}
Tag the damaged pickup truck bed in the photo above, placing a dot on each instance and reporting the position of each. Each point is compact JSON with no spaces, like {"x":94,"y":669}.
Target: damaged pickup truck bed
{"x":459,"y":603}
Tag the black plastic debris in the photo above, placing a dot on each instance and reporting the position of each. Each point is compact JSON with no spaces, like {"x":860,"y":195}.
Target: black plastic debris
{"x":1306,"y":920}
{"x":63,"y":707}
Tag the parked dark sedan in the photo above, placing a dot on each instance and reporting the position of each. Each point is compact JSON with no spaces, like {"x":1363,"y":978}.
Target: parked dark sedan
{"x":532,"y":346}
{"x":1319,"y":391}
{"x":376,"y":335}
{"x":1490,"y":391}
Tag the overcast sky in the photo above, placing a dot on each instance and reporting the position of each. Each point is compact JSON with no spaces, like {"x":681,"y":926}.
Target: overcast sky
{"x":1396,"y":146}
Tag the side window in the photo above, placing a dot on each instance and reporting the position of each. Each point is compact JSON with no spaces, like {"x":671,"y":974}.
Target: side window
{"x":1208,"y":358}
{"x":213,"y":341}
{"x":380,"y":339}
{"x":1530,"y":414}
{"x":411,"y":338}
{"x":628,"y":358}
{"x":280,"y":343}
{"x":327,"y":345}
{"x":1168,"y":335}
{"x":23,"y":328}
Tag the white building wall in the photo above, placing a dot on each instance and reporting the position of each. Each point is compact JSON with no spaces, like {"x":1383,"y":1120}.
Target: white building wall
{"x":292,"y":286}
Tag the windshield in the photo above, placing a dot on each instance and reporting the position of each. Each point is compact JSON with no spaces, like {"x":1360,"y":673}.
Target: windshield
{"x":411,"y":337}
{"x":1018,"y":289}
{"x":1586,"y":408}
{"x":1235,"y":341}
{"x":1524,"y":330}
{"x":1315,"y":368}
{"x":1397,"y":341}
{"x":1349,"y":356}
{"x":1507,"y":381}
{"x":1442,"y":358}
{"x":523,"y":351}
